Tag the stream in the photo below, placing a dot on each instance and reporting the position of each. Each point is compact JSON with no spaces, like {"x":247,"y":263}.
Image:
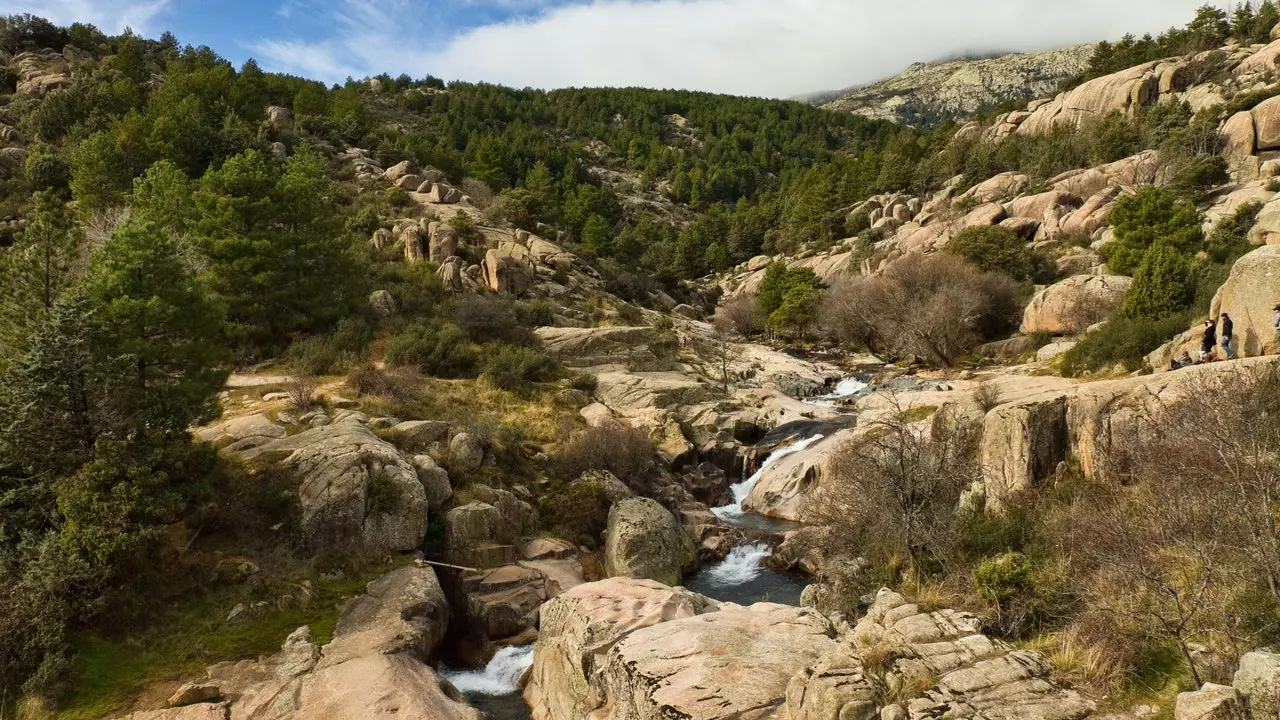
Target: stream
{"x":495,"y":689}
{"x":740,"y":578}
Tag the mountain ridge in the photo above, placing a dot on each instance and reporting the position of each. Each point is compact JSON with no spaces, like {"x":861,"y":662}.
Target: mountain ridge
{"x":926,"y":93}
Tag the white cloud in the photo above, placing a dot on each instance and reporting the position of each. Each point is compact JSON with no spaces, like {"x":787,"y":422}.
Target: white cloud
{"x":754,"y":47}
{"x":111,"y":16}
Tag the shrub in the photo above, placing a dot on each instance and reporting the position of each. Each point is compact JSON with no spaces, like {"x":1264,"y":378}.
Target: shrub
{"x":578,"y":511}
{"x":514,"y":368}
{"x":995,"y":249}
{"x":626,"y":452}
{"x":585,"y":382}
{"x":396,"y":197}
{"x":1194,"y":180}
{"x":441,"y":352}
{"x":363,"y":223}
{"x":339,"y":351}
{"x":857,"y":223}
{"x":490,"y":318}
{"x":384,"y":497}
{"x":536,"y":313}
{"x":737,"y":316}
{"x":1124,"y":341}
{"x":302,"y":393}
{"x":369,"y":379}
{"x":48,"y":172}
{"x":937,"y":307}
{"x":1229,"y":240}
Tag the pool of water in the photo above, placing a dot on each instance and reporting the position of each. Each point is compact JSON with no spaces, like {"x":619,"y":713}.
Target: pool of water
{"x":740,"y":578}
{"x":495,"y":689}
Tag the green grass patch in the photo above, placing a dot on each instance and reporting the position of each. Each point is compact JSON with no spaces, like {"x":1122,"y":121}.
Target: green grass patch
{"x":916,"y":414}
{"x":109,"y":673}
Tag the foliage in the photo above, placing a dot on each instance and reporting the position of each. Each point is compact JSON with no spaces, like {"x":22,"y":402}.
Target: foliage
{"x":997,"y":249}
{"x":338,"y":351}
{"x":626,"y":452}
{"x":789,"y":297}
{"x":1121,"y":341}
{"x":439,"y":351}
{"x":514,"y":368}
{"x":1164,"y":284}
{"x":1151,"y":215}
{"x":578,"y":511}
{"x":937,"y":308}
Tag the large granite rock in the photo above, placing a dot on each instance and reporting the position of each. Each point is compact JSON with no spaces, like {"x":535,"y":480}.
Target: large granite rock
{"x":1022,"y":444}
{"x":1074,"y":304}
{"x":1126,"y":91}
{"x":353,"y":487}
{"x":1211,"y":702}
{"x":734,"y":663}
{"x":1258,"y":681}
{"x":1251,"y":292}
{"x":581,"y":626}
{"x":645,"y":541}
{"x":375,"y":666}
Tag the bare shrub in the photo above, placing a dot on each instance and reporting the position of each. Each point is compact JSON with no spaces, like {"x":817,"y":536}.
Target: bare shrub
{"x":738,"y":316}
{"x":371,"y":380}
{"x":894,"y":492}
{"x":626,"y":452}
{"x":987,"y":395}
{"x":845,"y":318}
{"x":302,"y":393}
{"x":936,"y":307}
{"x":479,"y":191}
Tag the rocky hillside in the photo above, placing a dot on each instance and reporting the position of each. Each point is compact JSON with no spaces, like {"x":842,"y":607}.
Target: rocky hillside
{"x":927,"y":93}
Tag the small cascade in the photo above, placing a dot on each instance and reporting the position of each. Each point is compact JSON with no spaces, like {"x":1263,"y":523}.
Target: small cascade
{"x":845,"y":389}
{"x":741,"y":578}
{"x":740,"y":566}
{"x":500,"y":677}
{"x":730,"y":513}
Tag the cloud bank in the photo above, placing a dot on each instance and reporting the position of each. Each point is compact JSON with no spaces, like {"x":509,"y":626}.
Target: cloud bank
{"x":111,"y":16}
{"x":775,"y":48}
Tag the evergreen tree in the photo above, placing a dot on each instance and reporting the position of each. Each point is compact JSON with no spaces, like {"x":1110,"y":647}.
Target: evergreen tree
{"x":1164,"y":284}
{"x":35,"y":273}
{"x":1153,"y":214}
{"x":161,"y":331}
{"x":596,"y":236}
{"x":1265,"y":21}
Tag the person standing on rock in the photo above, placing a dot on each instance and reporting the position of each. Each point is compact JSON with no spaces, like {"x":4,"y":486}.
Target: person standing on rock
{"x":1210,"y":340}
{"x":1227,"y":328}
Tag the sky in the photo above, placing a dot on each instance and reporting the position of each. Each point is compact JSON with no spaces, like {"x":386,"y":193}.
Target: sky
{"x":771,"y":48}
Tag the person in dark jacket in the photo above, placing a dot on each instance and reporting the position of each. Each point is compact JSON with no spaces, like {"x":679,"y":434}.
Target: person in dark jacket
{"x":1210,"y":340}
{"x":1227,"y":328}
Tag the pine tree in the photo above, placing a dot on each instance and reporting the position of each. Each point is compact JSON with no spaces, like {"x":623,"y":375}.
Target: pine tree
{"x":1264,"y":21}
{"x":35,"y":273}
{"x":1164,"y":284}
{"x":50,"y":398}
{"x":161,"y":333}
{"x":596,"y":236}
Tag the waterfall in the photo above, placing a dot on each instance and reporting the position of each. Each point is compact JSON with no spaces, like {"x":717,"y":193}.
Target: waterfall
{"x":743,"y":489}
{"x":845,"y":389}
{"x":741,"y":566}
{"x":500,"y":677}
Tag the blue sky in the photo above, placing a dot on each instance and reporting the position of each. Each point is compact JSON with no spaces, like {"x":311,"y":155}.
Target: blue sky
{"x":776,"y":48}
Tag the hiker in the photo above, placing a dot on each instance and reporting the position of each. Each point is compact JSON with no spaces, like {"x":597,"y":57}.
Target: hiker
{"x":1277,"y":309}
{"x":1210,"y":340}
{"x":1227,"y":328}
{"x":1182,"y":362}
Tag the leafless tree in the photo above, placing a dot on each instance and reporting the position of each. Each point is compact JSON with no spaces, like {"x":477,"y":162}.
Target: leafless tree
{"x":738,"y":316}
{"x":936,"y":307}
{"x":895,"y":488}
